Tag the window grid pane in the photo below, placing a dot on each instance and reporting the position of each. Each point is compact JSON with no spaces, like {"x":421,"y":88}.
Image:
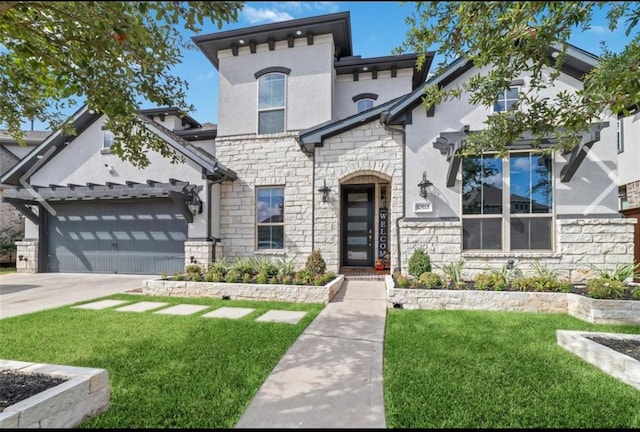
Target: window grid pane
{"x":270,"y":218}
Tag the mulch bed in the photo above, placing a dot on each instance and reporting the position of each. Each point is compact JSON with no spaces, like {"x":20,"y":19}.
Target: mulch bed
{"x":17,"y":386}
{"x":630,"y":347}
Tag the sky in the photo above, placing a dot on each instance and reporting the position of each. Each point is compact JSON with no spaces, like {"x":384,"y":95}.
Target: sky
{"x":376,"y":27}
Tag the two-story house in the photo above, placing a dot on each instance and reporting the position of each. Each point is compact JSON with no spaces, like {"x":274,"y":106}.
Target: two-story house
{"x":318,"y":148}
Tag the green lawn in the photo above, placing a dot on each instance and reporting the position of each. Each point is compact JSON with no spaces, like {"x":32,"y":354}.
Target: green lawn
{"x":477,"y":369}
{"x":443,"y":369}
{"x":7,"y":270}
{"x":164,"y":371}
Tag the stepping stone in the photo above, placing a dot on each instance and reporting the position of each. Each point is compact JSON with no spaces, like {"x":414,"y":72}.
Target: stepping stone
{"x":183,"y":309}
{"x":141,"y":306}
{"x":103,"y":304}
{"x":290,"y":317}
{"x":229,"y":312}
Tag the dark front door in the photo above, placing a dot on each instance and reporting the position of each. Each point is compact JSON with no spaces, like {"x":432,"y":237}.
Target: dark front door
{"x":357,"y":226}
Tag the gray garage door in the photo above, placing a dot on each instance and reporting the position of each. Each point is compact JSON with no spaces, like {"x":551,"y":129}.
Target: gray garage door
{"x":130,"y":237}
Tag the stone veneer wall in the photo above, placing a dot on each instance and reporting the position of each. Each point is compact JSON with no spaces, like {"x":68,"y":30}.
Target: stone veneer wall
{"x":265,"y":160}
{"x":201,"y":251}
{"x":633,"y":194}
{"x":28,"y":249}
{"x":602,"y":242}
{"x":368,"y":154}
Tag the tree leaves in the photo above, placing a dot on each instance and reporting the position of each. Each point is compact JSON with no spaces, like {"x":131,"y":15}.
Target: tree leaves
{"x":506,"y":40}
{"x":109,"y":55}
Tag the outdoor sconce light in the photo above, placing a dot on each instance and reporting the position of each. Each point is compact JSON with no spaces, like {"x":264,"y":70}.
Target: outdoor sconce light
{"x":325,"y":191}
{"x":424,"y":185}
{"x":19,"y":215}
{"x":195,"y":205}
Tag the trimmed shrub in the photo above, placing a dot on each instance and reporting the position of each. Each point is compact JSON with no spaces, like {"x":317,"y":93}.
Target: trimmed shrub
{"x":431,"y":280}
{"x":419,"y":262}
{"x":303,"y":277}
{"x":193,"y":268}
{"x":177,"y":276}
{"x":402,"y":281}
{"x":315,"y":263}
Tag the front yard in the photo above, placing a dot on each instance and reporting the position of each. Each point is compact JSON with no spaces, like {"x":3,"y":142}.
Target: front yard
{"x":442,"y":369}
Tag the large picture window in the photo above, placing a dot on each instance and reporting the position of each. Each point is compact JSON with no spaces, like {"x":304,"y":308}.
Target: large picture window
{"x":271,"y":103}
{"x":507,"y":203}
{"x":270,"y":217}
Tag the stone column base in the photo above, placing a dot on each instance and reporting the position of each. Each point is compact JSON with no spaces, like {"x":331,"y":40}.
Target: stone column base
{"x":27,"y":256}
{"x":199,"y":253}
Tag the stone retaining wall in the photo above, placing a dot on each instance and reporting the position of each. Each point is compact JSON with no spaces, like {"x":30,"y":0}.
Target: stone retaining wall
{"x":241,"y":291}
{"x":85,"y":395}
{"x":595,"y":311}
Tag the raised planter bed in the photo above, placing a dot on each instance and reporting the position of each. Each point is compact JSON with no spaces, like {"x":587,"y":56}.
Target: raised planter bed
{"x":587,"y":309}
{"x":245,"y":291}
{"x":84,"y":395}
{"x":616,"y":364}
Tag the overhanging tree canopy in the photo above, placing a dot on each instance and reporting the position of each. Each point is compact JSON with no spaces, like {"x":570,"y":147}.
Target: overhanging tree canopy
{"x":107,"y":54}
{"x":516,"y":38}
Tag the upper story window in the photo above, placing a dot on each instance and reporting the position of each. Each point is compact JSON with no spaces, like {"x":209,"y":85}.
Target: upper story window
{"x":506,"y":100}
{"x":620,"y":136}
{"x":365,"y":101}
{"x":108,"y":139}
{"x":271,"y":103}
{"x":270,"y":217}
{"x":364,"y":104}
{"x":507,"y":202}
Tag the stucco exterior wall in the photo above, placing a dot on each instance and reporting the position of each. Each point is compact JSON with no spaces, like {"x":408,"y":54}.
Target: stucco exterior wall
{"x":84,"y":160}
{"x":308,"y":85}
{"x":266,"y":160}
{"x":592,"y":190}
{"x":386,"y":87}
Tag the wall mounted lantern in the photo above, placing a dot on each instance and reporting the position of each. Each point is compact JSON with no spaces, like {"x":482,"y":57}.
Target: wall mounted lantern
{"x":325,"y":191}
{"x":195,"y":205}
{"x":424,"y":185}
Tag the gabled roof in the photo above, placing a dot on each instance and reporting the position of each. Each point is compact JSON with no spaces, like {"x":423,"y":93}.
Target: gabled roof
{"x":338,"y":24}
{"x":82,"y":119}
{"x":577,"y":63}
{"x":355,"y":65}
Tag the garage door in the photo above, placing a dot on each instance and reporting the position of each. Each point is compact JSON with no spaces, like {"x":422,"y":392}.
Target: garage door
{"x":131,"y":237}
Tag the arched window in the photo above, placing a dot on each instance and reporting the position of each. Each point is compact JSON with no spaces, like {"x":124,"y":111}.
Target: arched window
{"x":365,"y":101}
{"x":271,"y":103}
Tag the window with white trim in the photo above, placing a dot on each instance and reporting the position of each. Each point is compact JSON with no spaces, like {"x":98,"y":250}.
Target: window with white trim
{"x":108,"y":139}
{"x":271,"y":103}
{"x":364,"y":104}
{"x":270,"y":217}
{"x":620,"y":136}
{"x":506,"y":100}
{"x":507,"y":202}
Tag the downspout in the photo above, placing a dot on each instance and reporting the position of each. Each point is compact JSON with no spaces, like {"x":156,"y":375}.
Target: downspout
{"x":209,"y":238}
{"x":384,"y":117}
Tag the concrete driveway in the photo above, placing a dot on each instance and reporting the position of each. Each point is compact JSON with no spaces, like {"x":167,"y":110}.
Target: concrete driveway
{"x":22,"y":293}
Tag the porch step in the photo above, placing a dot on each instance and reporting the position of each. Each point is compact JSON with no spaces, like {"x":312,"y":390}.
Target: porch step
{"x":363,"y":274}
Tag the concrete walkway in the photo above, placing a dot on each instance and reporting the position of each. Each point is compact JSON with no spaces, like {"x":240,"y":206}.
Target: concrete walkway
{"x":332,"y":376}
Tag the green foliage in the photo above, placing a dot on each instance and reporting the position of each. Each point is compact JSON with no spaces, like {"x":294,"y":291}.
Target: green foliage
{"x":494,"y":280}
{"x":419,"y":262}
{"x":605,"y":288}
{"x":635,"y":293}
{"x":431,"y":280}
{"x":621,"y":272}
{"x":402,"y":281}
{"x":286,"y":267}
{"x":303,"y":277}
{"x":543,"y":271}
{"x":515,"y":39}
{"x":177,"y":276}
{"x":315,"y":263}
{"x":263,"y":265}
{"x":233,"y":276}
{"x":246,"y":278}
{"x":540,"y":283}
{"x":194,"y":277}
{"x":219,"y":266}
{"x":193,"y":268}
{"x":261,"y":278}
{"x":107,"y":54}
{"x":8,"y":238}
{"x":453,"y":272}
{"x":243,"y":265}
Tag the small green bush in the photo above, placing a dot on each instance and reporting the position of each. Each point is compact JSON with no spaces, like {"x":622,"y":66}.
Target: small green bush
{"x":177,"y":276}
{"x":605,"y":288}
{"x":193,"y":268}
{"x":246,"y":278}
{"x":261,"y":278}
{"x":287,"y":279}
{"x":220,"y":266}
{"x":303,"y":277}
{"x":419,"y":262}
{"x":489,"y":281}
{"x":232,"y":276}
{"x":523,"y":283}
{"x":209,"y":277}
{"x":195,"y":277}
{"x":402,"y":281}
{"x":315,"y":263}
{"x":431,"y":280}
{"x":636,"y":293}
